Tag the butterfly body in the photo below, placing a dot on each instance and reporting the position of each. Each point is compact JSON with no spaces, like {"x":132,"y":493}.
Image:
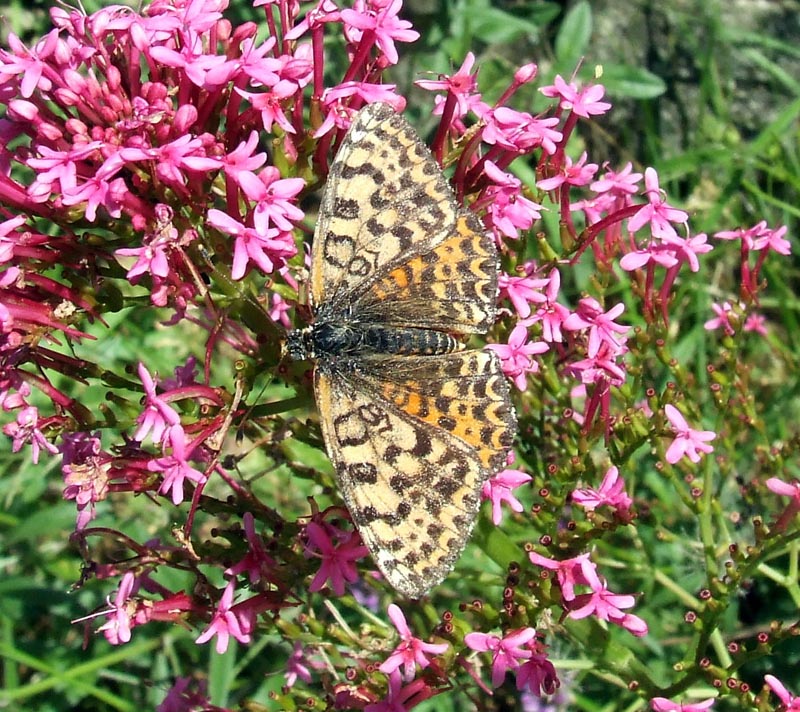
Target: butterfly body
{"x":412,"y":420}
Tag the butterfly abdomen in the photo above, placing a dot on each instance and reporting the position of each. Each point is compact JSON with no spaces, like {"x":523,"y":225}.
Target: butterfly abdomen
{"x":409,"y":341}
{"x":354,"y":339}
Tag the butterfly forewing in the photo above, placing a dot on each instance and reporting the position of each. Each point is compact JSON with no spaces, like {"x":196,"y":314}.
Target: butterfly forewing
{"x":386,"y":206}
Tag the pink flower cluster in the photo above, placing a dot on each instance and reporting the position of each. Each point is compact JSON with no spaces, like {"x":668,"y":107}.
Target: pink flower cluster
{"x":580,"y":572}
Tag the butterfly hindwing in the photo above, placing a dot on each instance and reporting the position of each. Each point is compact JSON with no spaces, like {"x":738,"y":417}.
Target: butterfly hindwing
{"x":410,"y":473}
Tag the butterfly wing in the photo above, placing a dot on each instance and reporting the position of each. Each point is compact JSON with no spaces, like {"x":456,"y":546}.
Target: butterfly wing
{"x":413,"y":439}
{"x":391,"y":243}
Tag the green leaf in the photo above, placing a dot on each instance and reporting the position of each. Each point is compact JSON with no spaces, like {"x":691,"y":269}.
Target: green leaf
{"x":573,"y":38}
{"x":623,"y":80}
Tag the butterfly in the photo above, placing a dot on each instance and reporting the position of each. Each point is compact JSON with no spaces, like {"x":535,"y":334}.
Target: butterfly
{"x":413,"y":421}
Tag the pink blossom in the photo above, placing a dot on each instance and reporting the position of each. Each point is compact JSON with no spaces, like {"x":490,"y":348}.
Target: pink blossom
{"x":788,"y":700}
{"x":606,"y":605}
{"x":611,"y":493}
{"x":572,"y":572}
{"x":785,"y":488}
{"x":175,"y":468}
{"x":274,"y":197}
{"x":601,"y":325}
{"x":654,"y":253}
{"x":509,"y":211}
{"x":516,"y":130}
{"x":756,"y":323}
{"x":584,"y":102}
{"x":515,"y":356}
{"x":460,"y":85}
{"x":411,"y":651}
{"x":507,"y":652}
{"x":279,"y":310}
{"x":538,"y":674}
{"x":722,"y":320}
{"x":257,"y":562}
{"x":602,"y":368}
{"x":580,"y":173}
{"x":117,"y":629}
{"x":157,"y":418}
{"x":381,"y":18}
{"x":270,"y":104}
{"x":773,"y":240}
{"x":662,"y":704}
{"x":551,"y":314}
{"x":242,"y":160}
{"x":338,"y":558}
{"x":225,"y":623}
{"x":689,"y":248}
{"x":687,"y":441}
{"x":266,"y":248}
{"x":296,"y":668}
{"x":657,"y":212}
{"x":622,"y":183}
{"x":521,"y":292}
{"x":150,"y":259}
{"x":497,"y":489}
{"x":401,"y":698}
{"x":86,"y":474}
{"x":26,"y":430}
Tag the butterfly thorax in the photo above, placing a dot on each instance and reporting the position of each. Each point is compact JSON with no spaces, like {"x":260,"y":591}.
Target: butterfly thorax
{"x":327,"y":340}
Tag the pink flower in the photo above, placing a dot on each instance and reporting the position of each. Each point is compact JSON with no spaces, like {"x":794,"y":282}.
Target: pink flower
{"x":157,"y":418}
{"x":497,"y":489}
{"x":274,"y":197}
{"x":257,"y":562}
{"x":521,"y":292}
{"x":784,"y":488}
{"x":515,"y":356}
{"x":506,"y":651}
{"x":687,"y":441}
{"x":26,"y":430}
{"x":508,"y":210}
{"x":87,"y":482}
{"x":381,"y":19}
{"x":225,"y":623}
{"x":266,"y":247}
{"x":400,"y":698}
{"x":410,"y":651}
{"x":551,"y":314}
{"x":580,"y":173}
{"x":662,"y":704}
{"x":338,"y":559}
{"x":722,"y":320}
{"x":538,"y":674}
{"x":585,"y":102}
{"x":756,"y":323}
{"x":622,"y":183}
{"x":611,"y":493}
{"x":658,"y":213}
{"x":175,"y":467}
{"x":789,"y":701}
{"x":573,"y":572}
{"x":296,"y":668}
{"x":773,"y":240}
{"x":461,"y":85}
{"x":518,"y":131}
{"x":601,"y":325}
{"x":606,"y":605}
{"x":117,"y":628}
